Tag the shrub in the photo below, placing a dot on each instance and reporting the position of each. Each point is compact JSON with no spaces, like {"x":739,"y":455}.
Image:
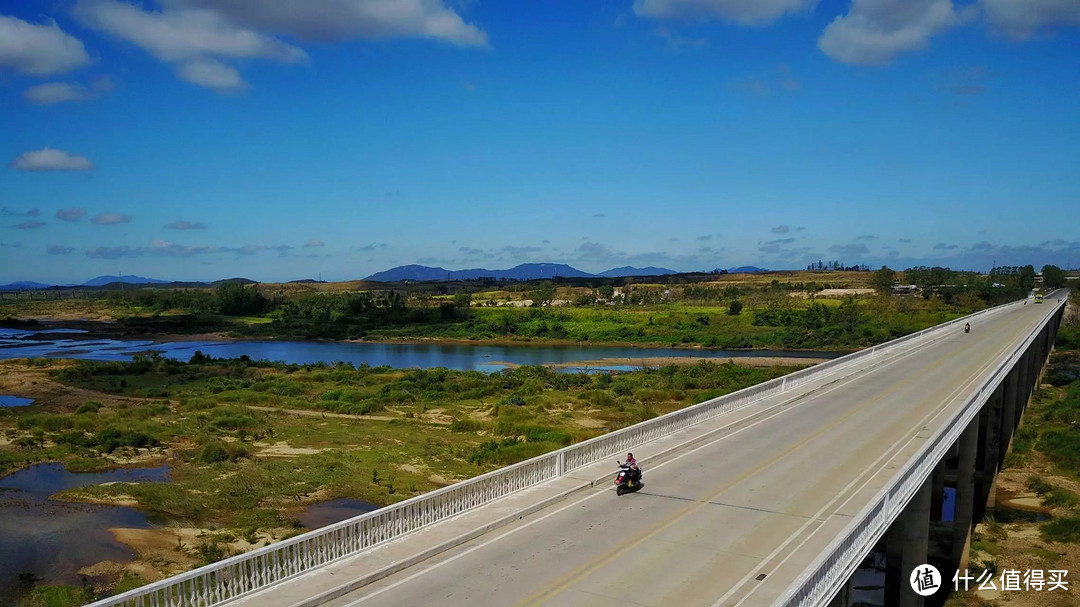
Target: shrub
{"x":599,"y":398}
{"x":516,"y":399}
{"x":110,"y":439}
{"x":220,"y":452}
{"x":90,"y":406}
{"x":465,"y":425}
{"x":1065,"y":529}
{"x":1062,"y":446}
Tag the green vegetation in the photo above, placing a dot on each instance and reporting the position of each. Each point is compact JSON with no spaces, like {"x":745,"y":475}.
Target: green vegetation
{"x":1051,"y":434}
{"x":1066,"y":529}
{"x":778,"y":310}
{"x":1052,"y":495}
{"x":221,"y":423}
{"x":58,"y":596}
{"x":1053,"y":277}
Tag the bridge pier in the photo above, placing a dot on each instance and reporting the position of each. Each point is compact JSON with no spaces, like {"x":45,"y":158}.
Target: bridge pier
{"x":919,"y":534}
{"x":965,"y":496}
{"x":990,"y":446}
{"x":916,"y":541}
{"x":1010,"y":406}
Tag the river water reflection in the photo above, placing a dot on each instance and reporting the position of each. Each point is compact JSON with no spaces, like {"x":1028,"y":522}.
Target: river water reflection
{"x":52,"y":539}
{"x":16,"y":343}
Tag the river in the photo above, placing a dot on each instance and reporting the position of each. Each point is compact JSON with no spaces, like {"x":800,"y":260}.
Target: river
{"x":51,"y":539}
{"x":17,"y":343}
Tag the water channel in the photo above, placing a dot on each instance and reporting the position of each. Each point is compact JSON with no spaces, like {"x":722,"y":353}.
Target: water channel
{"x":18,"y":343}
{"x":51,"y":539}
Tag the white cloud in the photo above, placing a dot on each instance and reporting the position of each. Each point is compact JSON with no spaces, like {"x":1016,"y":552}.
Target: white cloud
{"x":55,"y":92}
{"x":60,"y":92}
{"x":196,"y":39}
{"x":29,"y":225}
{"x":745,"y":12}
{"x":200,"y":35}
{"x":211,"y":74}
{"x":70,"y":214}
{"x":180,"y":35}
{"x":332,"y":20}
{"x":108,"y":219}
{"x":47,"y":159}
{"x":1023,"y":18}
{"x":678,"y":41}
{"x":875,"y":31}
{"x":40,"y":50}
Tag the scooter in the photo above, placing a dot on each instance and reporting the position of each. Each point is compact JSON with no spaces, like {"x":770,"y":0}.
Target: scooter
{"x":967,"y":328}
{"x":628,"y":480}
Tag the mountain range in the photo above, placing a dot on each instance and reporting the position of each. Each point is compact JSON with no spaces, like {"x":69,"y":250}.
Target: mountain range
{"x":525,"y":271}
{"x":417,"y":273}
{"x":99,"y":281}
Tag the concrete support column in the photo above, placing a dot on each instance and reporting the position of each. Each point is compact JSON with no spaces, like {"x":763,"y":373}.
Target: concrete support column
{"x":937,"y":491}
{"x":1008,"y":412}
{"x":1038,"y":364}
{"x":916,"y":542}
{"x":965,"y":494}
{"x":1023,"y":370}
{"x":991,"y":448}
{"x":1034,"y":362}
{"x":894,"y":551}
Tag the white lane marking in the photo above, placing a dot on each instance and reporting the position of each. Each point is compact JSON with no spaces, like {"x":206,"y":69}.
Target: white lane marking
{"x":895,"y":447}
{"x":825,"y":389}
{"x":792,"y":402}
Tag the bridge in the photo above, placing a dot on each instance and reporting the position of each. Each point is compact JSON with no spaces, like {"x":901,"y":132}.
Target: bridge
{"x":773,"y":495}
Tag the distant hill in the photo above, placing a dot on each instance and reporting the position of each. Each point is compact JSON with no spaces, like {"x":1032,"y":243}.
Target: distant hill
{"x":632,"y":271}
{"x":525,"y":271}
{"x":410,"y":272}
{"x":746,"y":270}
{"x":530,"y":271}
{"x":23,"y":284}
{"x":101,"y":281}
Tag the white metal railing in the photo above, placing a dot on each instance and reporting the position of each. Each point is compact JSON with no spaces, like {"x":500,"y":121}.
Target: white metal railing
{"x":257,"y":569}
{"x":823,"y":578}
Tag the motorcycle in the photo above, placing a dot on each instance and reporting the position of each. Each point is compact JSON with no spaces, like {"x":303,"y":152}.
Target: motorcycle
{"x":967,"y":328}
{"x":628,"y":479}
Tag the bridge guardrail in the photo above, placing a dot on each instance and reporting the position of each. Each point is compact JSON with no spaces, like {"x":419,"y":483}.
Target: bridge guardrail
{"x":245,"y":573}
{"x":839,"y":560}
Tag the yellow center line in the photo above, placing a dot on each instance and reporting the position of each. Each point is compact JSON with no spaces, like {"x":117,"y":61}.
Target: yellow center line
{"x":571,"y":578}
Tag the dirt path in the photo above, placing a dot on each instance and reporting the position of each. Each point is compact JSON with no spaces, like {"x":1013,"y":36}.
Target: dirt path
{"x":323,"y":414}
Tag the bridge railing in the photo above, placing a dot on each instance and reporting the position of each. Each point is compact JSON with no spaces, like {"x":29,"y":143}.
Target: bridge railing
{"x":241,"y":574}
{"x":824,"y":577}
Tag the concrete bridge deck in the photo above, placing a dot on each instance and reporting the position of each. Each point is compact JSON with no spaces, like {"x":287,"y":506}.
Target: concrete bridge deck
{"x":732,"y":512}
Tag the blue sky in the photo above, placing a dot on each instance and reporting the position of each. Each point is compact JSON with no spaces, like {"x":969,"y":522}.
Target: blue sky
{"x":203,"y":139}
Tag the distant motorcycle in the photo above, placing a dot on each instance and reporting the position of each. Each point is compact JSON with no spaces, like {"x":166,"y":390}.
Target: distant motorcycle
{"x":967,"y":328}
{"x":628,"y":479}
